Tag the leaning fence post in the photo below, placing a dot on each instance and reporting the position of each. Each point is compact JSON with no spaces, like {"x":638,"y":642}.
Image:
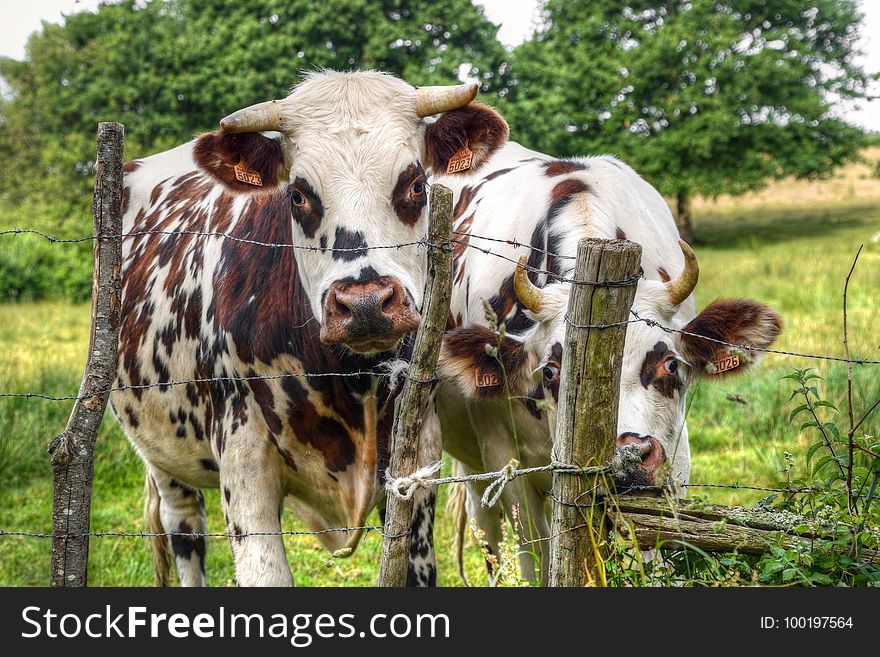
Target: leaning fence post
{"x":586,"y":423}
{"x":412,"y":402}
{"x":72,"y":451}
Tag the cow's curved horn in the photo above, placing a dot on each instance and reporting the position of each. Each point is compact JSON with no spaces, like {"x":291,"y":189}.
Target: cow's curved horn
{"x":433,"y":100}
{"x":529,"y":295}
{"x":256,"y":118}
{"x":680,"y":288}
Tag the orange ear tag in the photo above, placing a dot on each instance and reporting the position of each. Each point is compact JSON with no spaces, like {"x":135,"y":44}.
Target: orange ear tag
{"x":246,"y":176}
{"x":725,"y":363}
{"x":461,"y":161}
{"x":486,"y":379}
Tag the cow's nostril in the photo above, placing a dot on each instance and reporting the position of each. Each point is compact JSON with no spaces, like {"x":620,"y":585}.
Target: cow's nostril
{"x":389,"y":300}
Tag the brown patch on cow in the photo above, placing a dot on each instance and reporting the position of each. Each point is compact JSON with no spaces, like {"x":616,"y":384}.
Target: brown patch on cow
{"x":469,"y":344}
{"x":461,"y":238}
{"x":266,"y":400}
{"x":325,"y":434}
{"x":478,"y":127}
{"x":564,"y":190}
{"x":555,"y":168}
{"x":131,"y":166}
{"x":654,"y":374}
{"x":737,"y":321}
{"x":258,"y":296}
{"x":409,"y":203}
{"x":618,"y":233}
{"x":283,"y":452}
{"x":219,"y":153}
{"x":663,"y":274}
{"x":498,"y":174}
{"x":126,"y":198}
{"x":465,"y":197}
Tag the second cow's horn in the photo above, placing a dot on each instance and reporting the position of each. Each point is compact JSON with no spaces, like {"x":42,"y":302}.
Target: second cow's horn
{"x":680,"y":288}
{"x":433,"y":100}
{"x":256,"y":118}
{"x":529,"y":295}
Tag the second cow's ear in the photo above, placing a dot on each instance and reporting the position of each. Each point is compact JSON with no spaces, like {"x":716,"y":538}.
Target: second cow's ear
{"x":729,"y":322}
{"x":462,"y":140}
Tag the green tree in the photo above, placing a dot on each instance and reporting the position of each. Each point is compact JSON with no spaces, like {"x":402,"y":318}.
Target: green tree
{"x":701,"y":96}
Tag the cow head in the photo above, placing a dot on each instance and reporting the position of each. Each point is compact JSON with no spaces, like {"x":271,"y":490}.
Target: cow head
{"x":349,"y":157}
{"x":657,"y":368}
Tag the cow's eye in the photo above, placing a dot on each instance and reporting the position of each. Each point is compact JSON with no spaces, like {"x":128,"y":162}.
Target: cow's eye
{"x":551,"y":372}
{"x":418,"y":188}
{"x":297,"y":199}
{"x":671,"y":365}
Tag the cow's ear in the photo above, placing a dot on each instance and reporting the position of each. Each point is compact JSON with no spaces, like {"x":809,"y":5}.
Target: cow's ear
{"x":472,"y":358}
{"x":245,"y":162}
{"x":735,"y":321}
{"x":463,"y":139}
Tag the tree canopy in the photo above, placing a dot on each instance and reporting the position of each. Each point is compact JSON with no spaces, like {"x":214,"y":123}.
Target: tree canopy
{"x":708,"y":96}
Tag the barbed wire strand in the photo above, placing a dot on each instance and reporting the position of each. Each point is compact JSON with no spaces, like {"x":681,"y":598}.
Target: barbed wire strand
{"x":102,"y":534}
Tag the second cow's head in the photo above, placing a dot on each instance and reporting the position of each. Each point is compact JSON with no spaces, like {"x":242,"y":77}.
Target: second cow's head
{"x":662,"y":357}
{"x":350,"y":156}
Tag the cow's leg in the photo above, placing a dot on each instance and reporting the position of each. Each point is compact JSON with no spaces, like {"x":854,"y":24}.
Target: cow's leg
{"x":422,"y":569}
{"x":252,"y":503}
{"x":181,"y":510}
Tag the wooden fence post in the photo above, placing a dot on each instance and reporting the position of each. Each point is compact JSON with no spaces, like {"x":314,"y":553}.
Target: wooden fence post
{"x":586,"y":422}
{"x":413,"y":400}
{"x":72,"y":452}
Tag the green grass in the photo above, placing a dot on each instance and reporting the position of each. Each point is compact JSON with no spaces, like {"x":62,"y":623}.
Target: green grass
{"x":795,"y":260}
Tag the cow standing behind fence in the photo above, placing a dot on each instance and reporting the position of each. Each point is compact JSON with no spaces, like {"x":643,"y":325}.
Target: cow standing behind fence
{"x":345,"y":175}
{"x":499,"y":397}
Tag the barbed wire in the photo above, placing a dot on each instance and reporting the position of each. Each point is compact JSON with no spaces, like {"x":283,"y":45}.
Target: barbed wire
{"x":198,"y":233}
{"x":103,"y":534}
{"x":514,"y":243}
{"x":745,"y":347}
{"x":218,"y":379}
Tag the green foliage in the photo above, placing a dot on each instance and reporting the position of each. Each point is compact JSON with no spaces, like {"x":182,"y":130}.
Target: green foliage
{"x":699,"y":96}
{"x":850,"y":517}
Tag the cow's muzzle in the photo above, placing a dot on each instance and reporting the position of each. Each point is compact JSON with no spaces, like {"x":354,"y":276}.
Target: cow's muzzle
{"x":647,"y":474}
{"x":368,"y":317}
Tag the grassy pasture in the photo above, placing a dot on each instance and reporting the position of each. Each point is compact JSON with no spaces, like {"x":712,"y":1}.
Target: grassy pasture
{"x":792,"y":254}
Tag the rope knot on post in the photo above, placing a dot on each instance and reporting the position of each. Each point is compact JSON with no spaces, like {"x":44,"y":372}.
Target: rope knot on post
{"x":507,"y":473}
{"x":405,"y":487}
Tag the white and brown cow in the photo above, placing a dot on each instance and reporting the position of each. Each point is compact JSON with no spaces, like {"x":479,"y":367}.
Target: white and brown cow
{"x":341,"y":171}
{"x":547,"y":205}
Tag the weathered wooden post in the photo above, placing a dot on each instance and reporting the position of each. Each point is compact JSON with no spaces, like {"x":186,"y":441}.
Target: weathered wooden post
{"x":412,"y":402}
{"x":586,"y":422}
{"x":72,"y":451}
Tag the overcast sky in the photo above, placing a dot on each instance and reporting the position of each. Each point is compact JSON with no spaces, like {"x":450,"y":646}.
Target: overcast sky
{"x":516,"y":17}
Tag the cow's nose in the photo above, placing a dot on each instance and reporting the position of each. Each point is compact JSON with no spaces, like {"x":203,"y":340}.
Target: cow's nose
{"x":653,"y":456}
{"x":370,"y":316}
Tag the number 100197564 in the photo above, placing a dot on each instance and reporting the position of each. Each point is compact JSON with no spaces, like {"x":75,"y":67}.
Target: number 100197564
{"x":817,"y":622}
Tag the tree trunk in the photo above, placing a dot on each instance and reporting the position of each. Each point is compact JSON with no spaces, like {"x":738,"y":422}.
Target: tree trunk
{"x":683,"y":217}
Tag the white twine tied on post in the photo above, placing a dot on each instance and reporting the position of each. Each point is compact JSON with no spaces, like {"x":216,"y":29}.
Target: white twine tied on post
{"x":625,"y":461}
{"x":405,"y":487}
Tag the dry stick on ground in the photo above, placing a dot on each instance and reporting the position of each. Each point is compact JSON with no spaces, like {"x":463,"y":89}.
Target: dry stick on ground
{"x":72,"y":452}
{"x":413,"y":400}
{"x":679,"y":524}
{"x":850,"y":503}
{"x":586,"y":425}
